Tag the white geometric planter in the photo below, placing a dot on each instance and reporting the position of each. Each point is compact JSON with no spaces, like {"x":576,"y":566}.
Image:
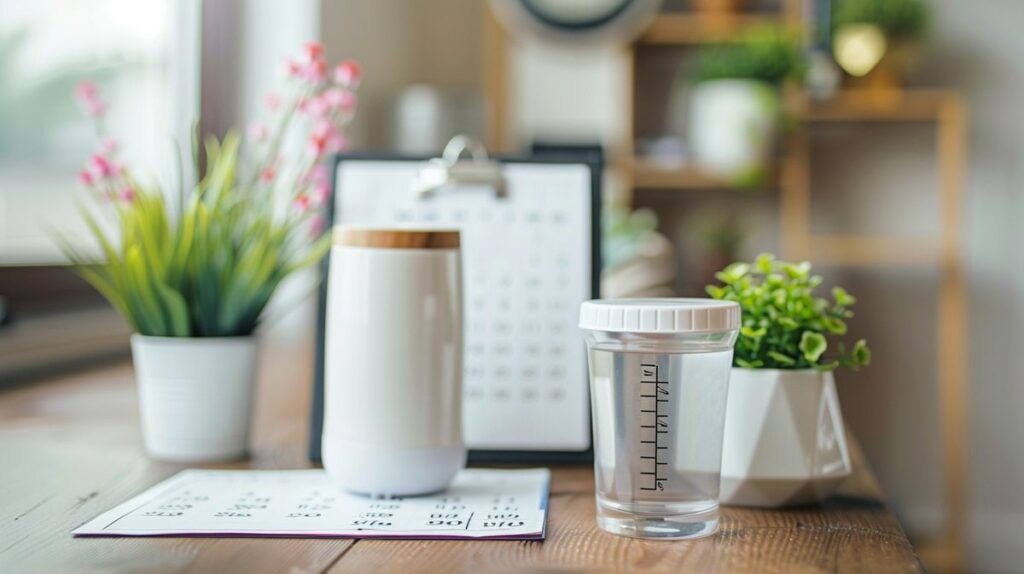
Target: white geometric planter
{"x":784,"y":439}
{"x":195,"y":396}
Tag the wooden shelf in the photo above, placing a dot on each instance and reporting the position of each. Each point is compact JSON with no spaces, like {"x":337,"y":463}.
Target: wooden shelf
{"x":867,"y":251}
{"x":647,"y":175}
{"x":687,"y":29}
{"x":873,"y":105}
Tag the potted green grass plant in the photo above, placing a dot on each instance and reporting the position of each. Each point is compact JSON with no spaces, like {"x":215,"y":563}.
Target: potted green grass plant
{"x":735,"y":103}
{"x":193,"y":272}
{"x":784,"y":436}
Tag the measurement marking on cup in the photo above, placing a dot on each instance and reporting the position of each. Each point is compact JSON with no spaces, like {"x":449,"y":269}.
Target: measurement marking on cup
{"x":649,"y":376}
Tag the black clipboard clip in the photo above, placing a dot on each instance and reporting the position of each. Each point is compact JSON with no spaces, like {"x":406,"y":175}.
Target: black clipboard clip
{"x":452,"y":169}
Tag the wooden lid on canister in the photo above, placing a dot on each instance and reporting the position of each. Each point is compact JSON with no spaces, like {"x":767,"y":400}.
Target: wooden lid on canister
{"x":397,"y":238}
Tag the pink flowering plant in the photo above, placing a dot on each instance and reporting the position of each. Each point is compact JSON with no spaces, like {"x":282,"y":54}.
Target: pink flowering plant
{"x":208,"y":264}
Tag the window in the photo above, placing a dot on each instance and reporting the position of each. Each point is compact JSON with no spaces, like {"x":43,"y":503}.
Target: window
{"x":142,"y":55}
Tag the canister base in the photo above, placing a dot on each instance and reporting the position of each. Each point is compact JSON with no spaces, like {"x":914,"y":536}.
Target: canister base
{"x":389,"y":472}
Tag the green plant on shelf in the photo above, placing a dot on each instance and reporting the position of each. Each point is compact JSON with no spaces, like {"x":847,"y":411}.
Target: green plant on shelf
{"x":785,"y":325}
{"x":767,"y":54}
{"x":896,"y":18}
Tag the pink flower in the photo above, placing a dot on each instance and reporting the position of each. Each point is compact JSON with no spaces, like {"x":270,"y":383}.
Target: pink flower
{"x":86,"y":91}
{"x":108,"y":146}
{"x":321,"y":193}
{"x":94,"y":108}
{"x":127,"y":194}
{"x":347,"y":74}
{"x":293,"y":68}
{"x":101,"y":167}
{"x":85,"y":178}
{"x":313,"y":51}
{"x":316,"y":226}
{"x":268,"y":174}
{"x":340,"y":99}
{"x":336,"y":143}
{"x":315,"y":72}
{"x":258,"y":131}
{"x":272,"y":101}
{"x":322,"y":131}
{"x":317,"y":107}
{"x":325,"y":138}
{"x":301,"y":203}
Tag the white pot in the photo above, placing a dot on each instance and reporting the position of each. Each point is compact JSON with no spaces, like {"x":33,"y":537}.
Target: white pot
{"x":195,"y":395}
{"x":732,"y":126}
{"x":784,"y":438}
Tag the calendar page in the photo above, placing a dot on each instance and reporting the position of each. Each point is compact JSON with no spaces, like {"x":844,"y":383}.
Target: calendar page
{"x":481,"y":504}
{"x":526,"y":268}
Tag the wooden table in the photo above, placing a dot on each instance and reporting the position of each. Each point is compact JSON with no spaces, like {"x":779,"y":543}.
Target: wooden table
{"x":70,"y":448}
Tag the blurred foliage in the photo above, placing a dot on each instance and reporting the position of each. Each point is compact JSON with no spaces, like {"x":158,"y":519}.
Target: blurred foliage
{"x":785,"y":326}
{"x":622,"y":231}
{"x":767,"y":54}
{"x":211,"y":273}
{"x":897,"y":18}
{"x":721,"y":232}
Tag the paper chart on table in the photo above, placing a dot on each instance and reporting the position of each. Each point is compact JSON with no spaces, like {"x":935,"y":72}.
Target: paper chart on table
{"x":480,"y":504}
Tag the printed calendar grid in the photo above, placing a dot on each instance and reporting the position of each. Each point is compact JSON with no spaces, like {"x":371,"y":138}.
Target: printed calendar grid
{"x":481,"y":503}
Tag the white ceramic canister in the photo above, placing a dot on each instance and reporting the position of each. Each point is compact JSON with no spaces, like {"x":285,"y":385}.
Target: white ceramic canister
{"x":393,"y":371}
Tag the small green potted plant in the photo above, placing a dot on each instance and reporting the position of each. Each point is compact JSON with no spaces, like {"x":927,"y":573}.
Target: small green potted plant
{"x":735,"y":104}
{"x":192,"y":273}
{"x":876,"y":41}
{"x":784,"y":436}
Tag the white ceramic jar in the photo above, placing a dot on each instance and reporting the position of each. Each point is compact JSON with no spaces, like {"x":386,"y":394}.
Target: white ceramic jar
{"x":393,"y":371}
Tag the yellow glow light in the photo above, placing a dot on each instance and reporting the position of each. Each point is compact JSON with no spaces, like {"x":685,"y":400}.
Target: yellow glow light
{"x":858,"y":48}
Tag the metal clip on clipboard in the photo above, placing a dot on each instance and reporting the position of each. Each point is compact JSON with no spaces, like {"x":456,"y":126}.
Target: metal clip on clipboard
{"x":452,"y":170}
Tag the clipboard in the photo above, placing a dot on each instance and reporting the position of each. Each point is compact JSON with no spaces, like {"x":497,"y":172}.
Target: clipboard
{"x":528,"y":254}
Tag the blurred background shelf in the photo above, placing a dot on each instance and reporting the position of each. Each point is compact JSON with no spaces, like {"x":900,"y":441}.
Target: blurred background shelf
{"x":681,"y":29}
{"x":865,"y":251}
{"x":648,"y":174}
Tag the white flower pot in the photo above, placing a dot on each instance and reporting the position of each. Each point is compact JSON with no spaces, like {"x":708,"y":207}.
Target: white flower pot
{"x":732,"y":126}
{"x":195,"y":396}
{"x":784,"y":438}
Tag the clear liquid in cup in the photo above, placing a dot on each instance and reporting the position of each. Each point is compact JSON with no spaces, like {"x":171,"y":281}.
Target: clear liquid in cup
{"x":658,"y":423}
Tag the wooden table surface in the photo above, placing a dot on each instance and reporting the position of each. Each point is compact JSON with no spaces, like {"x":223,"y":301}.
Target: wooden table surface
{"x":70,"y":449}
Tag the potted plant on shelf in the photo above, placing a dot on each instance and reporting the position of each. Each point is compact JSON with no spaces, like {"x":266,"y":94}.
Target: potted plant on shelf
{"x":735,"y":104}
{"x":193,"y":274}
{"x":876,"y":41}
{"x":784,"y":442}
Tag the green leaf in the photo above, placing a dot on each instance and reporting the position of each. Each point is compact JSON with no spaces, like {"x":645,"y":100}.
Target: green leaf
{"x":784,"y":360}
{"x":813,"y":346}
{"x":843,"y":299}
{"x":752,"y":333}
{"x":861,"y":354}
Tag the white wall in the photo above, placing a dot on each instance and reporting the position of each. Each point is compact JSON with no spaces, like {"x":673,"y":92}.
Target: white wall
{"x":979,"y":48}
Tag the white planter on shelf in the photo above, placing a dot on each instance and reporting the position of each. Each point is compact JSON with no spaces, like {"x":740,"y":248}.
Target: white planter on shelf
{"x":195,"y":396}
{"x":784,"y":439}
{"x":732,"y":126}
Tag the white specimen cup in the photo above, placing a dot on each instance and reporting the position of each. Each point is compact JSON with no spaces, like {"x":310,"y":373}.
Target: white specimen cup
{"x":659,"y":377}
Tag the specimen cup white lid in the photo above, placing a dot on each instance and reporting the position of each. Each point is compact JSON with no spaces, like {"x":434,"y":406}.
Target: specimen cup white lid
{"x":660,"y":315}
